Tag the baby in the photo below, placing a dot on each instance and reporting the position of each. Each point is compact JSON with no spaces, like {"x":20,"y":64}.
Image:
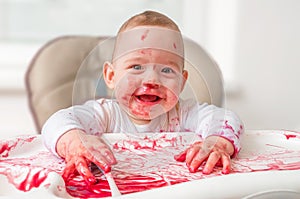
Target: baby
{"x":147,"y":75}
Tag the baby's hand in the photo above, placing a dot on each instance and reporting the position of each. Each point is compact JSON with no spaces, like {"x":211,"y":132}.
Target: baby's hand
{"x":80,"y":150}
{"x":214,"y":150}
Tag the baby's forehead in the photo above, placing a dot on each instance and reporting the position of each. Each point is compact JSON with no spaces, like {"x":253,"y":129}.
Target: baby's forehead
{"x":148,"y":37}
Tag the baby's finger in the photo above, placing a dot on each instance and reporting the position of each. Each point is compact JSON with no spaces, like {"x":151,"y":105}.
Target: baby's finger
{"x":84,"y":170}
{"x":68,"y":170}
{"x":181,"y":156}
{"x":191,"y":153}
{"x":101,"y":153}
{"x":211,"y":162}
{"x":100,"y":160}
{"x":108,"y":155}
{"x":197,"y":160}
{"x":95,"y":148}
{"x":226,"y":161}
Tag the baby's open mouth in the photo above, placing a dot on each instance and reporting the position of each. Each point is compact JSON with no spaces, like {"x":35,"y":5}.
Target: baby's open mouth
{"x":148,"y":98}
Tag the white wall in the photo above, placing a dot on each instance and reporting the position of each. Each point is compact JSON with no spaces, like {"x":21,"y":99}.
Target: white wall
{"x":267,"y":64}
{"x":256,"y":43}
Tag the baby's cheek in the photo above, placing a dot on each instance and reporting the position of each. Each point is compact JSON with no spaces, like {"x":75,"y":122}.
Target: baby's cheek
{"x":125,"y":89}
{"x":171,"y":101}
{"x":173,"y":86}
{"x":172,"y":97}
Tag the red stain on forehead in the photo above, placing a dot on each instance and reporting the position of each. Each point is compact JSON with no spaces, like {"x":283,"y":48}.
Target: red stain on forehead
{"x":146,"y":51}
{"x":144,"y":35}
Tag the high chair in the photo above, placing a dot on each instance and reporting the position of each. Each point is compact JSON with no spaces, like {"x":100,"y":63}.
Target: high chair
{"x":68,"y":70}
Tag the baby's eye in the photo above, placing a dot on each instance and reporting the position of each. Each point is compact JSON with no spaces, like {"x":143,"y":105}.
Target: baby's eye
{"x":167,"y":70}
{"x":137,"y":67}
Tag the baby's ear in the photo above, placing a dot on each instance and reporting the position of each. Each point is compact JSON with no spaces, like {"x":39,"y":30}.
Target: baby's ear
{"x":108,"y":74}
{"x":185,"y":75}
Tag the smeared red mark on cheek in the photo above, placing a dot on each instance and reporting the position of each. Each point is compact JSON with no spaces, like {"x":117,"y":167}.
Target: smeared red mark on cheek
{"x":125,"y":98}
{"x":174,"y":46}
{"x":125,"y":93}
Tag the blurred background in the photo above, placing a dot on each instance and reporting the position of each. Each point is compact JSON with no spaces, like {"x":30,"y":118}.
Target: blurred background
{"x":256,"y":43}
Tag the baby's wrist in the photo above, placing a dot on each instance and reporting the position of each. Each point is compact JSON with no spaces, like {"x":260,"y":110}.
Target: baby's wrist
{"x":65,"y":140}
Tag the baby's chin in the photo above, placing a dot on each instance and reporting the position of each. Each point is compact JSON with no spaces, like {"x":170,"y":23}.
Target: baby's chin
{"x":145,"y":115}
{"x":138,"y":120}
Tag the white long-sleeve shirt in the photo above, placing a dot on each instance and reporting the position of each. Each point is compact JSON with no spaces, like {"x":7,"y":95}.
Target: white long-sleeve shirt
{"x":106,"y":116}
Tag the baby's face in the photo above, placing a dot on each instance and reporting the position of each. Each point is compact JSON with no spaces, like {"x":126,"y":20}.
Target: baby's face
{"x":147,"y":71}
{"x":148,"y":82}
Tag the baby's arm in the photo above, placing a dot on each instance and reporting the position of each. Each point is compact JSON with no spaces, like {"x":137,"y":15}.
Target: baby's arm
{"x":73,"y":134}
{"x":82,"y":117}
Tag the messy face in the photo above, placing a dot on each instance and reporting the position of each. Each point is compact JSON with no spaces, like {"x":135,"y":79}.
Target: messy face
{"x":147,"y":82}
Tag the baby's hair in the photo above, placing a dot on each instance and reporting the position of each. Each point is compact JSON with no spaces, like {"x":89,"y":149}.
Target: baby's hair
{"x":149,"y":18}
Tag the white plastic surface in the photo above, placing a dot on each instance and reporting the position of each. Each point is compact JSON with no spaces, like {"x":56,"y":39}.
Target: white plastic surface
{"x":269,"y":161}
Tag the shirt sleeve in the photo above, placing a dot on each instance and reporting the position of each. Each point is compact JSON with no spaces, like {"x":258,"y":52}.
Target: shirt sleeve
{"x":89,"y":117}
{"x":207,"y":120}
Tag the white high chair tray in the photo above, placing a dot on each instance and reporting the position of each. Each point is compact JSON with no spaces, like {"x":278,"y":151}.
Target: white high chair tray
{"x":268,"y":162}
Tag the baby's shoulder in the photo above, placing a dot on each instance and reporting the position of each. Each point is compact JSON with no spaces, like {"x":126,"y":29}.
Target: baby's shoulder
{"x":187,"y":103}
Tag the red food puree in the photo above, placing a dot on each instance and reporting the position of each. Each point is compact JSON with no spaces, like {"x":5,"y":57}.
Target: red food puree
{"x":143,"y":164}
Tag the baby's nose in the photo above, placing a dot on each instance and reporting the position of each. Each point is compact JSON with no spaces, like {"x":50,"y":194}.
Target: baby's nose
{"x":151,"y":79}
{"x":151,"y":85}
